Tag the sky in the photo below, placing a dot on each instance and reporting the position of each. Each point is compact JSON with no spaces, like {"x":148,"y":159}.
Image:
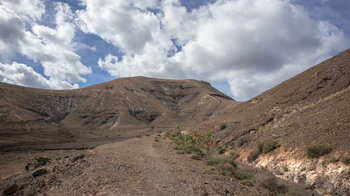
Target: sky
{"x":242,"y":47}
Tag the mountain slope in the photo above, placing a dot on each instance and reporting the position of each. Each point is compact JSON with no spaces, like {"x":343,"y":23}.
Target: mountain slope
{"x":122,"y":107}
{"x":312,"y":106}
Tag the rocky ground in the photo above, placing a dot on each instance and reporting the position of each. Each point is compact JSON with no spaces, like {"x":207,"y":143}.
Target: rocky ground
{"x":139,"y":166}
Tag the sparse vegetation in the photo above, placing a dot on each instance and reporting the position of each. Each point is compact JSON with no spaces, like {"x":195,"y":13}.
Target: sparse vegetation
{"x":263,"y":147}
{"x":187,"y":143}
{"x":207,"y":140}
{"x":346,"y":159}
{"x":242,"y":140}
{"x":201,"y":148}
{"x":316,"y":150}
{"x":221,"y":160}
{"x":269,"y":145}
{"x":268,"y":181}
{"x":253,"y":155}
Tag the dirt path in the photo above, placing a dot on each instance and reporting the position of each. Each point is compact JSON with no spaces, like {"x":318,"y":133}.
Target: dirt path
{"x":139,"y":166}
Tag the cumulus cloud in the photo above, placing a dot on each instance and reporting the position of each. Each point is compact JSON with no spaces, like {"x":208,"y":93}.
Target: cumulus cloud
{"x":53,"y":48}
{"x":24,"y":75}
{"x":11,"y":30}
{"x":30,"y":10}
{"x":126,"y":24}
{"x":251,"y":44}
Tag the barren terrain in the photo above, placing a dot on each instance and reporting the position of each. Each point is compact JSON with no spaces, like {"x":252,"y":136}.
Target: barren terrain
{"x":118,"y":117}
{"x":139,"y":166}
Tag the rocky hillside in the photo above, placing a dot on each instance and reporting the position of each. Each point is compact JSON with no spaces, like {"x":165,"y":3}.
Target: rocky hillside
{"x":312,"y":107}
{"x":120,"y":108}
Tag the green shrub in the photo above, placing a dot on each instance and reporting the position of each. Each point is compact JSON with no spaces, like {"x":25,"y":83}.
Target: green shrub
{"x":223,"y":126}
{"x":253,"y":155}
{"x":186,"y":143}
{"x":269,"y":145}
{"x":221,"y":160}
{"x":346,"y":159}
{"x":189,"y":138}
{"x":317,"y":150}
{"x":190,"y":148}
{"x":207,"y":140}
{"x":263,"y":147}
{"x":217,"y":160}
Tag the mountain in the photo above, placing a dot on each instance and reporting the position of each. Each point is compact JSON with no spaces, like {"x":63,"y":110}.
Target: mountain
{"x":120,"y":108}
{"x":312,"y":106}
{"x":307,"y":114}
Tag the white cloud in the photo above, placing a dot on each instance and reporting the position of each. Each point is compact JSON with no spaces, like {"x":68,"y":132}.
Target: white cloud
{"x":11,"y":30}
{"x":52,"y":47}
{"x":251,"y":44}
{"x":30,"y":10}
{"x":24,"y":75}
{"x":126,"y":24}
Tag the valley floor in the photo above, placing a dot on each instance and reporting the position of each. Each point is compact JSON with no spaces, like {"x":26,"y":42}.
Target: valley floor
{"x":139,"y":166}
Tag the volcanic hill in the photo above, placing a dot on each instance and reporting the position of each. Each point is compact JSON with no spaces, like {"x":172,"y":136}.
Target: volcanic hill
{"x":125,"y":107}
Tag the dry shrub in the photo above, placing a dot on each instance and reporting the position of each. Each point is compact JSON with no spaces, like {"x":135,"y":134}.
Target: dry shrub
{"x":316,"y":150}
